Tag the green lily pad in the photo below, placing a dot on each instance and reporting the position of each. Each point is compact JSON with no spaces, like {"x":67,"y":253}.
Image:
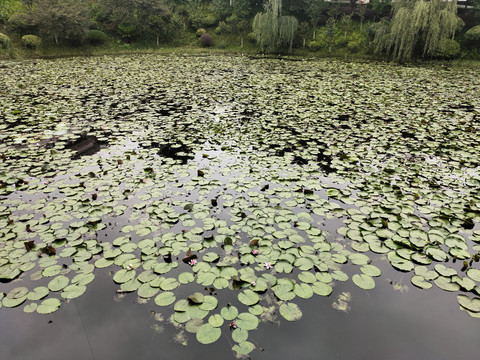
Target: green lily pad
{"x":248,"y":297}
{"x":364,"y":281}
{"x":73,"y":291}
{"x":165,"y":298}
{"x":58,"y":283}
{"x":38,"y":293}
{"x":216,"y":320}
{"x":469,"y":304}
{"x":207,"y":334}
{"x":48,"y":306}
{"x":290,"y":311}
{"x":229,"y":313}
{"x":247,"y":321}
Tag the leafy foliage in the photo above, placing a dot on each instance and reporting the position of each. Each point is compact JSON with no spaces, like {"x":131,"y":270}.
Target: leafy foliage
{"x":274,"y":31}
{"x":418,"y":26}
{"x":4,"y":41}
{"x":31,"y":42}
{"x":96,"y":37}
{"x":472,"y":36}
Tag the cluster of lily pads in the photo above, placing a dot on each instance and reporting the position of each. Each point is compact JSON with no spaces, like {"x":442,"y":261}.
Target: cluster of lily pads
{"x":255,"y":176}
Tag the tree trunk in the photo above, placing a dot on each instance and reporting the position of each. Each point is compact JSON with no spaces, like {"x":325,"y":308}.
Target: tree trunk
{"x":158,"y":42}
{"x":304,"y":40}
{"x":56,"y":39}
{"x":241,"y":41}
{"x":314,"y":34}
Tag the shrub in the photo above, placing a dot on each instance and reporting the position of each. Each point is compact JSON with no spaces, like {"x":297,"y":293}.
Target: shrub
{"x":320,"y":43}
{"x":200,"y":32}
{"x":96,"y":37}
{"x":4,"y":41}
{"x":222,"y":28}
{"x":206,"y":40}
{"x":31,"y":42}
{"x":472,"y":36}
{"x":448,"y":49}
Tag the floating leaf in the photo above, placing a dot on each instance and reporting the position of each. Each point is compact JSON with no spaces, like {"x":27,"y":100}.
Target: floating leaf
{"x":248,"y":297}
{"x":48,"y":306}
{"x":73,"y":291}
{"x":229,"y":313}
{"x":207,"y":334}
{"x":290,"y":311}
{"x":363,"y":281}
{"x":165,"y":298}
{"x":58,"y":283}
{"x":216,"y":320}
{"x":247,"y":321}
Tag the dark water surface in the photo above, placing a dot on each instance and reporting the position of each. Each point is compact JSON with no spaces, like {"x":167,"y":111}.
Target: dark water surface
{"x":382,"y":323}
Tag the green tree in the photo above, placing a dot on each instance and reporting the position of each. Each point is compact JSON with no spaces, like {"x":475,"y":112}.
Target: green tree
{"x":159,"y":20}
{"x":303,"y":31}
{"x":132,"y":18}
{"x":418,"y":25}
{"x":60,"y":19}
{"x":316,"y":11}
{"x":240,"y":18}
{"x":272,"y":29}
{"x":8,"y":8}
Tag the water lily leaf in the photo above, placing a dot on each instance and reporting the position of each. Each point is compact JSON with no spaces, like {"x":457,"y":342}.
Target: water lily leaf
{"x":58,"y":283}
{"x":207,"y":334}
{"x":303,"y":290}
{"x":247,"y":321}
{"x":38,"y":293}
{"x":248,"y":297}
{"x":446,"y":284}
{"x":290,"y":311}
{"x":73,"y":291}
{"x":165,"y":298}
{"x":243,"y":349}
{"x":123,"y":275}
{"x":209,"y":303}
{"x":146,"y":291}
{"x":470,"y":304}
{"x":196,"y":298}
{"x":307,"y":277}
{"x":474,"y":274}
{"x":371,"y":270}
{"x":181,"y":305}
{"x":186,"y":277}
{"x":30,"y":307}
{"x":363,"y":281}
{"x":229,"y":313}
{"x":169,"y":284}
{"x":284,"y":292}
{"x":322,"y":289}
{"x":49,"y":306}
{"x":216,"y":320}
{"x":239,"y":335}
{"x":193,"y":325}
{"x":103,"y":263}
{"x":444,"y":271}
{"x":359,"y":259}
{"x":419,"y":281}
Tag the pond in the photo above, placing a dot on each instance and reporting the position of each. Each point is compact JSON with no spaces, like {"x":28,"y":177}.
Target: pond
{"x":227,"y":206}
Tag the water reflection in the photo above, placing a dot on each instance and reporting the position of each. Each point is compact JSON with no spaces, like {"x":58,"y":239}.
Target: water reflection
{"x":382,"y":323}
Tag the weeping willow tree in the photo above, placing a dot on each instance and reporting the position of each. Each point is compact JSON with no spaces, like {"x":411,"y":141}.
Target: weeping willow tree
{"x":272,"y":30}
{"x":417,"y":25}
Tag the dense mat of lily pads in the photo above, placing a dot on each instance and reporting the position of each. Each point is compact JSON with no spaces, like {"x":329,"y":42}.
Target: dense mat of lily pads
{"x":225,"y":173}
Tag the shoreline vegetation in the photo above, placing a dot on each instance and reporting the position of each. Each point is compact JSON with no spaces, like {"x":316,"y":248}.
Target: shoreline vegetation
{"x":304,"y":29}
